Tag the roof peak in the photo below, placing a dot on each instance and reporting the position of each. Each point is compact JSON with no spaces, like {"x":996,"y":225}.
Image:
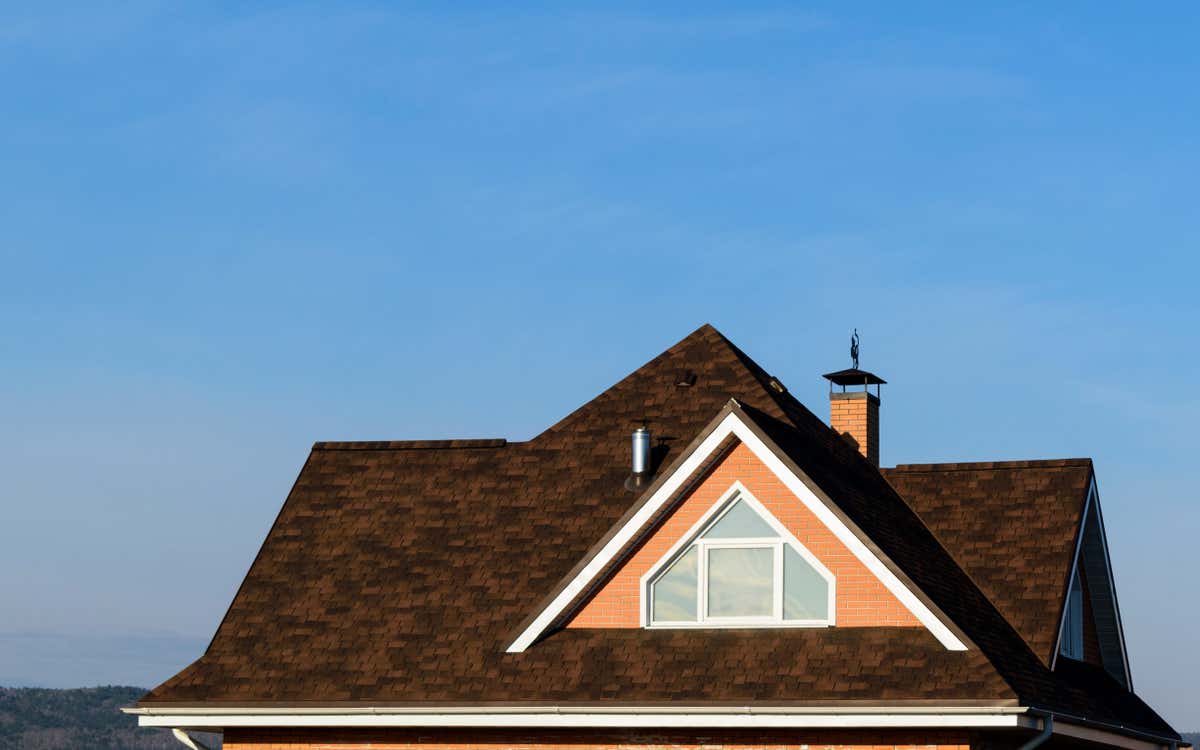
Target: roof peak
{"x":674,"y":391}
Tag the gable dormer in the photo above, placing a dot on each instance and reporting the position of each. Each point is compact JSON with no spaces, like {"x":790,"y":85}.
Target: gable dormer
{"x":783,"y":514}
{"x":740,"y":550}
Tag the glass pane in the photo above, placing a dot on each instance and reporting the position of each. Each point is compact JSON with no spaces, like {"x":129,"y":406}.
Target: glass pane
{"x":740,"y":582}
{"x":740,"y":522}
{"x":674,"y":593}
{"x":1073,"y":635}
{"x":805,"y":591}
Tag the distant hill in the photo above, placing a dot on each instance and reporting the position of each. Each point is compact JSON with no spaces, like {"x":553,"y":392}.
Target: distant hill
{"x":1191,"y":737}
{"x":44,"y":719}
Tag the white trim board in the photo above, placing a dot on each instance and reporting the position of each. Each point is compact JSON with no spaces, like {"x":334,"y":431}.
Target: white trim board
{"x":632,"y":717}
{"x":733,"y":424}
{"x":1062,"y":616}
{"x":684,"y":721}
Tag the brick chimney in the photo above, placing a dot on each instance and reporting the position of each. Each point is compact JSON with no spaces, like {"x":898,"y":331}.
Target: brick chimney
{"x":854,"y":414}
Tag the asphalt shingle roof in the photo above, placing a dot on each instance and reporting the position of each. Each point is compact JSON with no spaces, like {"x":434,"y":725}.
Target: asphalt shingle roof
{"x":397,"y":573}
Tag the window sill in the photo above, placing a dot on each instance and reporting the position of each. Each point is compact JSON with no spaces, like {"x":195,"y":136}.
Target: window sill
{"x":736,"y":625}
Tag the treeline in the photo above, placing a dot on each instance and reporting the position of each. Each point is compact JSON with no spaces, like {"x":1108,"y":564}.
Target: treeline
{"x":44,"y":719}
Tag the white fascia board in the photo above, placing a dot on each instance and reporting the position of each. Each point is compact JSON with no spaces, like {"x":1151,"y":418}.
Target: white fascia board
{"x":733,"y":424}
{"x":652,"y":718}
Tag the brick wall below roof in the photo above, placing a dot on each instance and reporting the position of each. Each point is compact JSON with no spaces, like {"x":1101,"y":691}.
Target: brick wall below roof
{"x":494,"y":739}
{"x":861,"y":598}
{"x":855,"y":416}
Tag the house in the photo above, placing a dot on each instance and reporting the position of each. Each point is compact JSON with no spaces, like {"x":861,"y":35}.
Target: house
{"x":691,"y":559}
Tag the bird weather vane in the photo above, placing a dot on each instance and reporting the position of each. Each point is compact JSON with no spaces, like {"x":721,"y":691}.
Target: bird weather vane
{"x":854,"y":348}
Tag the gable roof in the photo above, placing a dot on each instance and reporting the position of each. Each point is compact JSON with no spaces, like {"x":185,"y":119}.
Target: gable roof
{"x":1012,"y":526}
{"x":396,"y":573}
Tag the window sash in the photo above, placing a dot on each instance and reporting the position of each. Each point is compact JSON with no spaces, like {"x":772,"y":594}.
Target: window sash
{"x":703,"y":547}
{"x":776,"y":580}
{"x":703,"y":544}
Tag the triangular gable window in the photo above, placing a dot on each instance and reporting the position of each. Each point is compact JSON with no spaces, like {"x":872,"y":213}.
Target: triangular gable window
{"x":737,"y":567}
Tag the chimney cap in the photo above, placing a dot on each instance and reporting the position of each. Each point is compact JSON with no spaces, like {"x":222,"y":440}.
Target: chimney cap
{"x":853,"y":376}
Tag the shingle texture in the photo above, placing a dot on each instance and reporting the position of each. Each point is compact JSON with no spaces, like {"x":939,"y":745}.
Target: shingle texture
{"x":1012,"y":526}
{"x":397,"y":573}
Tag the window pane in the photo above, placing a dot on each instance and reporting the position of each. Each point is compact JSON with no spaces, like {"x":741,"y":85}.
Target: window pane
{"x":739,"y":582}
{"x":1073,"y":628}
{"x":674,"y":593}
{"x":805,"y":591}
{"x":740,"y":522}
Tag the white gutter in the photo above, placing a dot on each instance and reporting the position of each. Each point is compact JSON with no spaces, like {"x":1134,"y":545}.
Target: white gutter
{"x":681,"y":718}
{"x":567,"y":709}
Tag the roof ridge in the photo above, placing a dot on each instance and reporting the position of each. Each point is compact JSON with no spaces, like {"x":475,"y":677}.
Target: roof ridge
{"x":409,"y":445}
{"x":1043,"y":463}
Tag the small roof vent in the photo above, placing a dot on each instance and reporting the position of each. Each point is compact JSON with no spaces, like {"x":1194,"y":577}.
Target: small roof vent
{"x":641,"y":451}
{"x":640,"y":463}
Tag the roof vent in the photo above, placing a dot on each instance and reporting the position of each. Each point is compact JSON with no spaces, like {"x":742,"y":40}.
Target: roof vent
{"x":641,"y":451}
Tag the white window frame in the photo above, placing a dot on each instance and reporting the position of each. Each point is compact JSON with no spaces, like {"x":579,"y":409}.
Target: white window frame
{"x":737,"y":491}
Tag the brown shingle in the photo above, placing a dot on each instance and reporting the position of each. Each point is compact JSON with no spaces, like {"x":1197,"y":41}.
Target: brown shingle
{"x":1012,"y":526}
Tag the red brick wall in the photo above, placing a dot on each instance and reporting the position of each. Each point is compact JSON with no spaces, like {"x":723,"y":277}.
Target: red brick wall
{"x":855,"y":416}
{"x":862,"y":600}
{"x":499,"y":739}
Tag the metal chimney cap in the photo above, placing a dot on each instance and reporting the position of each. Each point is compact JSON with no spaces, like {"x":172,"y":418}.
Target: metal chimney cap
{"x":854,"y":376}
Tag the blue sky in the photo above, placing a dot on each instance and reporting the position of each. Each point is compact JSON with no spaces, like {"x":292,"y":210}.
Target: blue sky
{"x":228,"y":231}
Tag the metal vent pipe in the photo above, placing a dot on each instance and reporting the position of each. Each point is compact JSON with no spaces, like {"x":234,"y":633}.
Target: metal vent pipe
{"x":641,"y":450}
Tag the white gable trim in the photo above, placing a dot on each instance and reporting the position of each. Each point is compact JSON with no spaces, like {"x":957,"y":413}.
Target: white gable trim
{"x":1093,"y":499}
{"x":1062,"y":617}
{"x":739,"y":491}
{"x":733,"y":424}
